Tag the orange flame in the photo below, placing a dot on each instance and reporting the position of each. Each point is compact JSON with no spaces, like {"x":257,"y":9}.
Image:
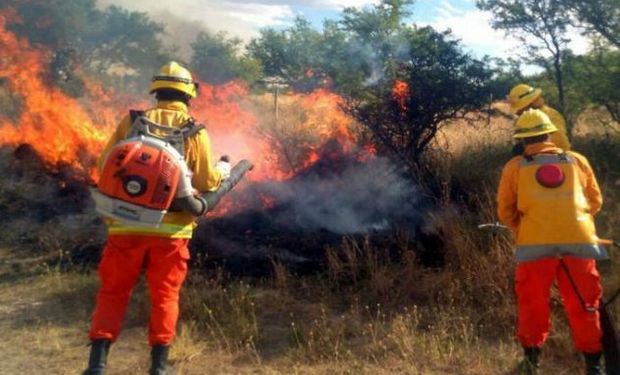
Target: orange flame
{"x":72,"y":132}
{"x":401,"y":93}
{"x":58,"y":127}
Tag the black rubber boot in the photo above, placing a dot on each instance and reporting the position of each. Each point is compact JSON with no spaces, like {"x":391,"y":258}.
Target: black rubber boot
{"x":530,"y":365}
{"x":159,"y":360}
{"x":593,"y":363}
{"x":98,"y":357}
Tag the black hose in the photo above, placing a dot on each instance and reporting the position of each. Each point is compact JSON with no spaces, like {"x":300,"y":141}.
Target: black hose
{"x":609,"y":339}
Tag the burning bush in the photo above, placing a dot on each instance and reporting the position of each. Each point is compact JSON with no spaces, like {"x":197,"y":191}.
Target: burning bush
{"x":432,"y":86}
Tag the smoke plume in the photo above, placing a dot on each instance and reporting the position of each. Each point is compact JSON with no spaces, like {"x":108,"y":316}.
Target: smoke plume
{"x":350,"y":199}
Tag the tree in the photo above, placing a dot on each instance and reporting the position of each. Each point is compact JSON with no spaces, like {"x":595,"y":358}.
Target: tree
{"x":506,"y":74}
{"x":540,"y":25}
{"x":378,"y":24}
{"x":96,"y":40}
{"x":288,"y":53}
{"x":125,"y":38}
{"x":377,"y":41}
{"x":216,"y":59}
{"x":436,"y":83}
{"x":600,"y":16}
{"x":595,"y":78}
{"x":417,"y":79}
{"x":352,"y":52}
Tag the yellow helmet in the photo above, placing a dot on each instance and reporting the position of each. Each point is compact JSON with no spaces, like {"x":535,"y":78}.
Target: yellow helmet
{"x":533,"y":122}
{"x":174,"y":76}
{"x":521,"y":96}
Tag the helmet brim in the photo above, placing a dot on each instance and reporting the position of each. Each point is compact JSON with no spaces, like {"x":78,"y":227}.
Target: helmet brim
{"x":189,"y":89}
{"x":528,"y":134}
{"x":526,"y":100}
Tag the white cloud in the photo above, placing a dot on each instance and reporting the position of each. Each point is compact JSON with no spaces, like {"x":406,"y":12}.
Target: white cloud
{"x":255,"y":15}
{"x":473,"y":28}
{"x":325,"y":4}
{"x":339,"y":4}
{"x":240,"y":18}
{"x":446,"y":9}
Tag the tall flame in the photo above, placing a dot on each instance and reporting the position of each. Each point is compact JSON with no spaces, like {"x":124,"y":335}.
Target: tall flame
{"x":57,"y":126}
{"x":72,"y":132}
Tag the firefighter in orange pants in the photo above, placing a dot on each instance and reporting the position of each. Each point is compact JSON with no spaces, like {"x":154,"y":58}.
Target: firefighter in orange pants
{"x":548,"y":197}
{"x":162,"y":251}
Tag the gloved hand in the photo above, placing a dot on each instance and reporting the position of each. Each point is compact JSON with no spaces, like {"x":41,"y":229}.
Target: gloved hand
{"x":223,"y":166}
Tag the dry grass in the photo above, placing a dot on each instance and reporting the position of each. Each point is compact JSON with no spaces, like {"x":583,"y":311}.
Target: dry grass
{"x":314,"y":326}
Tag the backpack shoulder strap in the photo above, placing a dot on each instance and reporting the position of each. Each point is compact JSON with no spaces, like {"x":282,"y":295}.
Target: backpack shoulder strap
{"x":191,"y":128}
{"x":134,"y":114}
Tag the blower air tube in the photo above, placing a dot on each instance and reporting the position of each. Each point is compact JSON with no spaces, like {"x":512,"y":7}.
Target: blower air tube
{"x":212,"y":198}
{"x":193,"y":204}
{"x":200,"y":205}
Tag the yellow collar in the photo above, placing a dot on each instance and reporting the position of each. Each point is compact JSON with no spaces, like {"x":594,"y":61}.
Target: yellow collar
{"x":542,"y":148}
{"x":172,"y":105}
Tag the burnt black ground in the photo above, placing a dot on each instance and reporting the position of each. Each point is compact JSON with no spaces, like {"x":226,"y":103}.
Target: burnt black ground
{"x":49,"y":214}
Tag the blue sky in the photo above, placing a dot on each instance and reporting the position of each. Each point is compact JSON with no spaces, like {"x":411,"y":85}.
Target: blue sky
{"x":423,"y":10}
{"x":457,"y":15}
{"x":244,"y":18}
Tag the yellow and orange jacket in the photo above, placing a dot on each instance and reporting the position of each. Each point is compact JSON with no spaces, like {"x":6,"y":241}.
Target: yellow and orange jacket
{"x":550,"y":221}
{"x":198,"y":157}
{"x":559,"y":138}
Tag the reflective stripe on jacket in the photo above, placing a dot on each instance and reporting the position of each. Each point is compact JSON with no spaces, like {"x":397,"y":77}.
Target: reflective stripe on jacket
{"x":559,"y":138}
{"x":551,"y":221}
{"x":585,"y":250}
{"x":164,"y":230}
{"x":199,"y":159}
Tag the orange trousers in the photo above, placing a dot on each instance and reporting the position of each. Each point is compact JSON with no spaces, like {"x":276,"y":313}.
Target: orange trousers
{"x":533,"y":285}
{"x":124,"y":258}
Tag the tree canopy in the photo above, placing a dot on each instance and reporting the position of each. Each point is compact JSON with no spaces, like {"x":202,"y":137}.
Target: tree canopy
{"x":365,"y":54}
{"x":436,"y":83}
{"x":96,"y":40}
{"x":217,"y":59}
{"x":540,"y":26}
{"x":598,"y":16}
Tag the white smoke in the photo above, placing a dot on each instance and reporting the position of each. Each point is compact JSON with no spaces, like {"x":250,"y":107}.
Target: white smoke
{"x":184,"y":19}
{"x":360,"y":199}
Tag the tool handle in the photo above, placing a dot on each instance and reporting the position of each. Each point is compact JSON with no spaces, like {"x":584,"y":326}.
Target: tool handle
{"x":496,"y":225}
{"x":608,"y":242}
